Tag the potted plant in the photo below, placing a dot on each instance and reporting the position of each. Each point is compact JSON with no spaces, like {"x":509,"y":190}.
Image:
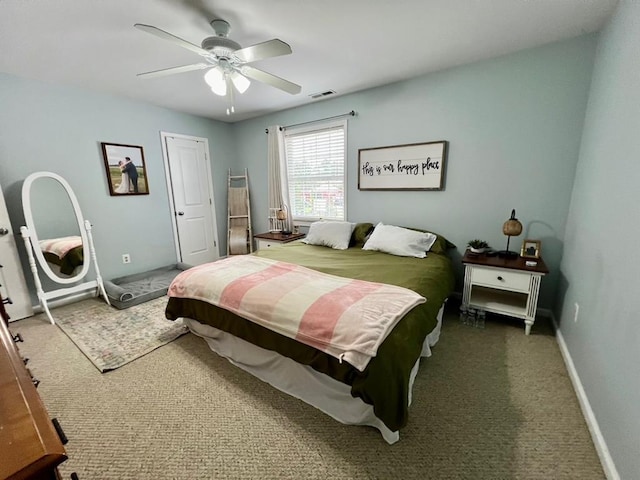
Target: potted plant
{"x":478,"y":246}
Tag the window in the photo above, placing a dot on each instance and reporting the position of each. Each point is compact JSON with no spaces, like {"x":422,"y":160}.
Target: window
{"x":315,"y":159}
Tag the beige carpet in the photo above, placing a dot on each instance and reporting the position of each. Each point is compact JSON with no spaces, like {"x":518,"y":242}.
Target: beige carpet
{"x":489,"y":404}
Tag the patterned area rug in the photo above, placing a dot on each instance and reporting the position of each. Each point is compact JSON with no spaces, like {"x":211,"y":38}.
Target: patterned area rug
{"x":111,"y":338}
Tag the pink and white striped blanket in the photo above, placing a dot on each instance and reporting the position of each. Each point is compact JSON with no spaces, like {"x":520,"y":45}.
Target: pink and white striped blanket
{"x":342,"y":317}
{"x":60,"y":246}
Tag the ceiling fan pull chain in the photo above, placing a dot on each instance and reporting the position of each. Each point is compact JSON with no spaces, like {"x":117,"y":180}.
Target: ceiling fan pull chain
{"x":230,"y":108}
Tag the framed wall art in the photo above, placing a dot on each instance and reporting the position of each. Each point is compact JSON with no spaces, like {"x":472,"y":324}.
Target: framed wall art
{"x":126,"y":170}
{"x":530,"y":249}
{"x":417,"y":166}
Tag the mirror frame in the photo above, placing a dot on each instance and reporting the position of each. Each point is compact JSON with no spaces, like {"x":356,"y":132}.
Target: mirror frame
{"x":33,"y":232}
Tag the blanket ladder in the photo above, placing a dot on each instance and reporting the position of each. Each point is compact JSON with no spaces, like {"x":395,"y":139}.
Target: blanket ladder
{"x":239,"y":236}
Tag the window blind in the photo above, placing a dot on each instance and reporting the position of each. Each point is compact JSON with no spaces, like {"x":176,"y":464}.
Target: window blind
{"x":316,"y":172}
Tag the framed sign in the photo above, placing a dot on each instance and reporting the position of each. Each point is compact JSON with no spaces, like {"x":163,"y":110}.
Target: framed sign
{"x":417,"y":166}
{"x":126,"y":170}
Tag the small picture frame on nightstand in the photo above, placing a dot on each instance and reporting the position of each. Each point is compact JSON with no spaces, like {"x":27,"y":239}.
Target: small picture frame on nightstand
{"x":530,"y":249}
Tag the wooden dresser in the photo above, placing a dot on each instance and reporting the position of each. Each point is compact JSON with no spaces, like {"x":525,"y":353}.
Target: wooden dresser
{"x":30,"y":447}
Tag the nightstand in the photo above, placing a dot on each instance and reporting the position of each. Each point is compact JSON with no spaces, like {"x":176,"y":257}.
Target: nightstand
{"x":271,"y":239}
{"x":503,"y":285}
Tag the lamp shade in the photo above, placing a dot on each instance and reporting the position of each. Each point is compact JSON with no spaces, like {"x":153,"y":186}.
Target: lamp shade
{"x":216,"y":80}
{"x":512,"y":227}
{"x":281,"y":215}
{"x":240,"y":82}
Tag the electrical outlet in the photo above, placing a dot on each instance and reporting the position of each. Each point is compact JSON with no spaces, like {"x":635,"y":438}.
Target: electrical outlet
{"x":575,"y":311}
{"x":126,"y":258}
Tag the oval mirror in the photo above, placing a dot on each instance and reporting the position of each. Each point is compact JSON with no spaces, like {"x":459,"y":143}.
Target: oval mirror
{"x":56,"y":227}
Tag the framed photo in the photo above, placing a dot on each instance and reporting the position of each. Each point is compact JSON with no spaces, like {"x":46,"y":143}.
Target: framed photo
{"x":530,"y":249}
{"x":417,"y":166}
{"x":126,"y":170}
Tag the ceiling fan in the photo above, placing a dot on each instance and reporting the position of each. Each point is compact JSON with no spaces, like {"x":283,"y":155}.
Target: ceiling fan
{"x":226,"y":61}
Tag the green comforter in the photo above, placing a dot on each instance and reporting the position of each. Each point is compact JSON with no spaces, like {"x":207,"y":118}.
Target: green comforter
{"x":384,"y":384}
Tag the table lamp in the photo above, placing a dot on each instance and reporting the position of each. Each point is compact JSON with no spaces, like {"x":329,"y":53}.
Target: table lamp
{"x":281,"y":215}
{"x":511,"y":228}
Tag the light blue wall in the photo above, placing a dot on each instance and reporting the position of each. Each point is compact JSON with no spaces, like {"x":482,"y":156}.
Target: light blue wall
{"x":514,"y":126}
{"x":59,"y":129}
{"x":601,"y":260}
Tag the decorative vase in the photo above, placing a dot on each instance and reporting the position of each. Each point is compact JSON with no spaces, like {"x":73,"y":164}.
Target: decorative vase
{"x":477,"y":250}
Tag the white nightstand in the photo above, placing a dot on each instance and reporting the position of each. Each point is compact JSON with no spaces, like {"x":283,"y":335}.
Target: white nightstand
{"x":503,"y":285}
{"x":272,"y":239}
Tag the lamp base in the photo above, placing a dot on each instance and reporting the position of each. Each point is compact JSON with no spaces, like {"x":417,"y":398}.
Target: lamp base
{"x":285,"y":232}
{"x":507,"y":254}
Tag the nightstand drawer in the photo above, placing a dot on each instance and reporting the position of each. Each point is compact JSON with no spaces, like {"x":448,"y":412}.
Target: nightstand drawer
{"x":501,"y":279}
{"x":275,"y":239}
{"x":262,"y":244}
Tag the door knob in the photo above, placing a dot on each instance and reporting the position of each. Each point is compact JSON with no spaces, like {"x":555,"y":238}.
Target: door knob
{"x":3,"y":231}
{"x":180,"y":213}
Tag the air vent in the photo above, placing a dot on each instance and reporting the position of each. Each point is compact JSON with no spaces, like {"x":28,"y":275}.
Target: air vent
{"x":322,"y":94}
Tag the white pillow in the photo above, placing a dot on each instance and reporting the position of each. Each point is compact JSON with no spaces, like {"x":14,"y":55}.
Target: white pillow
{"x":332,"y":234}
{"x":400,"y":241}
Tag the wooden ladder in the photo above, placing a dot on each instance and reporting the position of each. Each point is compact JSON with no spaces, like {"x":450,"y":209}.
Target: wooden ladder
{"x":239,"y":234}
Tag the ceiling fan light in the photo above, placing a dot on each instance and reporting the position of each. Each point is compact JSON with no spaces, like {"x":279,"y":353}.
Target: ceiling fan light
{"x":220,"y":90}
{"x":215,"y":79}
{"x":240,"y":82}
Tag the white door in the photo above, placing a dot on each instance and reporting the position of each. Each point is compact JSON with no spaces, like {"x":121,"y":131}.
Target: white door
{"x":191,"y":195}
{"x":12,"y":282}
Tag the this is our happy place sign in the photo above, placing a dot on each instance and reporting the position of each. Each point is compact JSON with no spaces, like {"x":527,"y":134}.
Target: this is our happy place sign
{"x":418,"y":166}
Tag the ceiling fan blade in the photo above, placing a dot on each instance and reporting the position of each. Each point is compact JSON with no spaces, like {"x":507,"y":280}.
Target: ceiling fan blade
{"x":264,"y":77}
{"x":268,"y":49}
{"x":171,"y":71}
{"x":172,"y":38}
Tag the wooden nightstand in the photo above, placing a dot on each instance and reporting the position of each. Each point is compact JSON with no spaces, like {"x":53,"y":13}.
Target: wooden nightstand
{"x":271,"y":239}
{"x":503,"y":285}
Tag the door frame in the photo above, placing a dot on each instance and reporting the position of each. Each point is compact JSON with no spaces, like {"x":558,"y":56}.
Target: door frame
{"x":167,"y":170}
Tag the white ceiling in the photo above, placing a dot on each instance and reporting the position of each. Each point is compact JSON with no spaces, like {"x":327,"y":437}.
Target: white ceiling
{"x":341,"y":45}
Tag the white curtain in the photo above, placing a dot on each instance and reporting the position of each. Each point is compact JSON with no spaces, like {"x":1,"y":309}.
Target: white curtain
{"x":277,"y":176}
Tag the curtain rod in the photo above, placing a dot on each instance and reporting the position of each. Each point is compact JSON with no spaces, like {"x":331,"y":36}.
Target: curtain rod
{"x":352,"y":113}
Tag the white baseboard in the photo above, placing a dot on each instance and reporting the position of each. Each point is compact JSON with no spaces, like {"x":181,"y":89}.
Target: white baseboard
{"x":606,"y":460}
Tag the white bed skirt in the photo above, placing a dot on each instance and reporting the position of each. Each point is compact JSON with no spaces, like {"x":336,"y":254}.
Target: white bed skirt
{"x":301,"y":381}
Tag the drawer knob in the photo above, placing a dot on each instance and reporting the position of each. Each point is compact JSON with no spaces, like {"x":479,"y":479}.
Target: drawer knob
{"x":500,"y":278}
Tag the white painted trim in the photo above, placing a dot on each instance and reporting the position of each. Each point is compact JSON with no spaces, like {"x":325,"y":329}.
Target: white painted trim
{"x":606,"y":460}
{"x":172,"y":207}
{"x":167,"y":171}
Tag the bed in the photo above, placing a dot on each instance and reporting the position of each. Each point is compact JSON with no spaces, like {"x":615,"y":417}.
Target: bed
{"x":66,"y":253}
{"x":380,"y":394}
